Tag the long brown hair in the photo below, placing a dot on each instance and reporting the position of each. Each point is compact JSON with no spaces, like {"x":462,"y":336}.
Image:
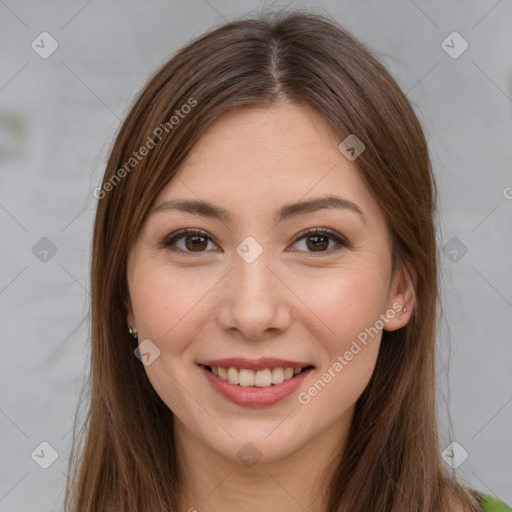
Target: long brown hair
{"x":127,"y":458}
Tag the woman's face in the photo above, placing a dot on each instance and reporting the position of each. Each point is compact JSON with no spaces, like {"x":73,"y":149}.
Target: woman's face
{"x":255,"y":292}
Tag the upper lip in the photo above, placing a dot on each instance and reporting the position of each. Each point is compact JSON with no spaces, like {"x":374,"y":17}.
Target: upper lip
{"x":254,"y":364}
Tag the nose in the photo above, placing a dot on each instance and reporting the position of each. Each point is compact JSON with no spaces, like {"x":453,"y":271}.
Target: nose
{"x":254,"y":302}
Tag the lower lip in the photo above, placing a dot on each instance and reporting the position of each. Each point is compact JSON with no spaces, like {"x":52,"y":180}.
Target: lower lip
{"x":252,"y":396}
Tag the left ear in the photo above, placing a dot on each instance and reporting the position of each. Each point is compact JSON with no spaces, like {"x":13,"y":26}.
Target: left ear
{"x":401,"y":295}
{"x":130,"y":319}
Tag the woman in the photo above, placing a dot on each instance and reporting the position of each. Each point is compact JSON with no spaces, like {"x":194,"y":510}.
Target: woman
{"x":264,"y":287}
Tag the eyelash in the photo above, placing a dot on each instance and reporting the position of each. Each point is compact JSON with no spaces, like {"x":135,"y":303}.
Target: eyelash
{"x":169,"y":241}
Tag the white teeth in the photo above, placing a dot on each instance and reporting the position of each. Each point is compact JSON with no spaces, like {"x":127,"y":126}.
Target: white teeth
{"x":260,"y":378}
{"x":246,"y":377}
{"x":277,"y":376}
{"x":263,"y":378}
{"x":232,"y":375}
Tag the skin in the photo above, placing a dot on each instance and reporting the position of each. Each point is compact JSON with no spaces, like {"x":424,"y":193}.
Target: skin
{"x":293,"y":302}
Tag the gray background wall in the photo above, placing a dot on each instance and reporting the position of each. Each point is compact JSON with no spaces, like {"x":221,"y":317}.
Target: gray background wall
{"x":57,"y":119}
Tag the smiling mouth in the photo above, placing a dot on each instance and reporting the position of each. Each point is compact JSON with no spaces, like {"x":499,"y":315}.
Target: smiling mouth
{"x":263,"y":378}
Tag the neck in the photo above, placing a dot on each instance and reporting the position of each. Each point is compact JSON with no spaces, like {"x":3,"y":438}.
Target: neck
{"x":296,"y":482}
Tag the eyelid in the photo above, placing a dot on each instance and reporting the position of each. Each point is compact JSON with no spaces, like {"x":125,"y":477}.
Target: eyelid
{"x":337,"y":237}
{"x":322,"y":231}
{"x":168,"y":241}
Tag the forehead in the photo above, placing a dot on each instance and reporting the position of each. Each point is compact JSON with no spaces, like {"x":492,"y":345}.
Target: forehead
{"x":253,"y":159}
{"x":280,"y":135}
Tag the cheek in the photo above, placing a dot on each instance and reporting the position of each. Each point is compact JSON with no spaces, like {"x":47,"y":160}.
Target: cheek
{"x":167,"y":304}
{"x":344,"y":302}
{"x":164,"y":302}
{"x":342,"y":314}
{"x":347,"y":337}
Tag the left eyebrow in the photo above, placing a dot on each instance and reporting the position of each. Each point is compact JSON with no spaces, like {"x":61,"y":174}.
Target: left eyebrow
{"x":288,"y":211}
{"x":320,"y":203}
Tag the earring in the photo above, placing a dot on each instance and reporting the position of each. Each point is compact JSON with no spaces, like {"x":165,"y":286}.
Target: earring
{"x":405,"y":310}
{"x":133,"y":331}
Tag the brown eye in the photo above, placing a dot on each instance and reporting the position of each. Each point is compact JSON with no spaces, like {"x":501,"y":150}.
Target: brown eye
{"x":196,"y":242}
{"x":189,"y":240}
{"x":321,"y":241}
{"x":192,"y":240}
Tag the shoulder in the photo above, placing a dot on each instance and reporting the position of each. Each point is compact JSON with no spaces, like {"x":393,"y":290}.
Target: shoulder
{"x":454,"y":505}
{"x":486,"y":503}
{"x":491,"y":504}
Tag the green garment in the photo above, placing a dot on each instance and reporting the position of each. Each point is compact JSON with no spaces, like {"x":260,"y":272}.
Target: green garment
{"x":490,"y":504}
